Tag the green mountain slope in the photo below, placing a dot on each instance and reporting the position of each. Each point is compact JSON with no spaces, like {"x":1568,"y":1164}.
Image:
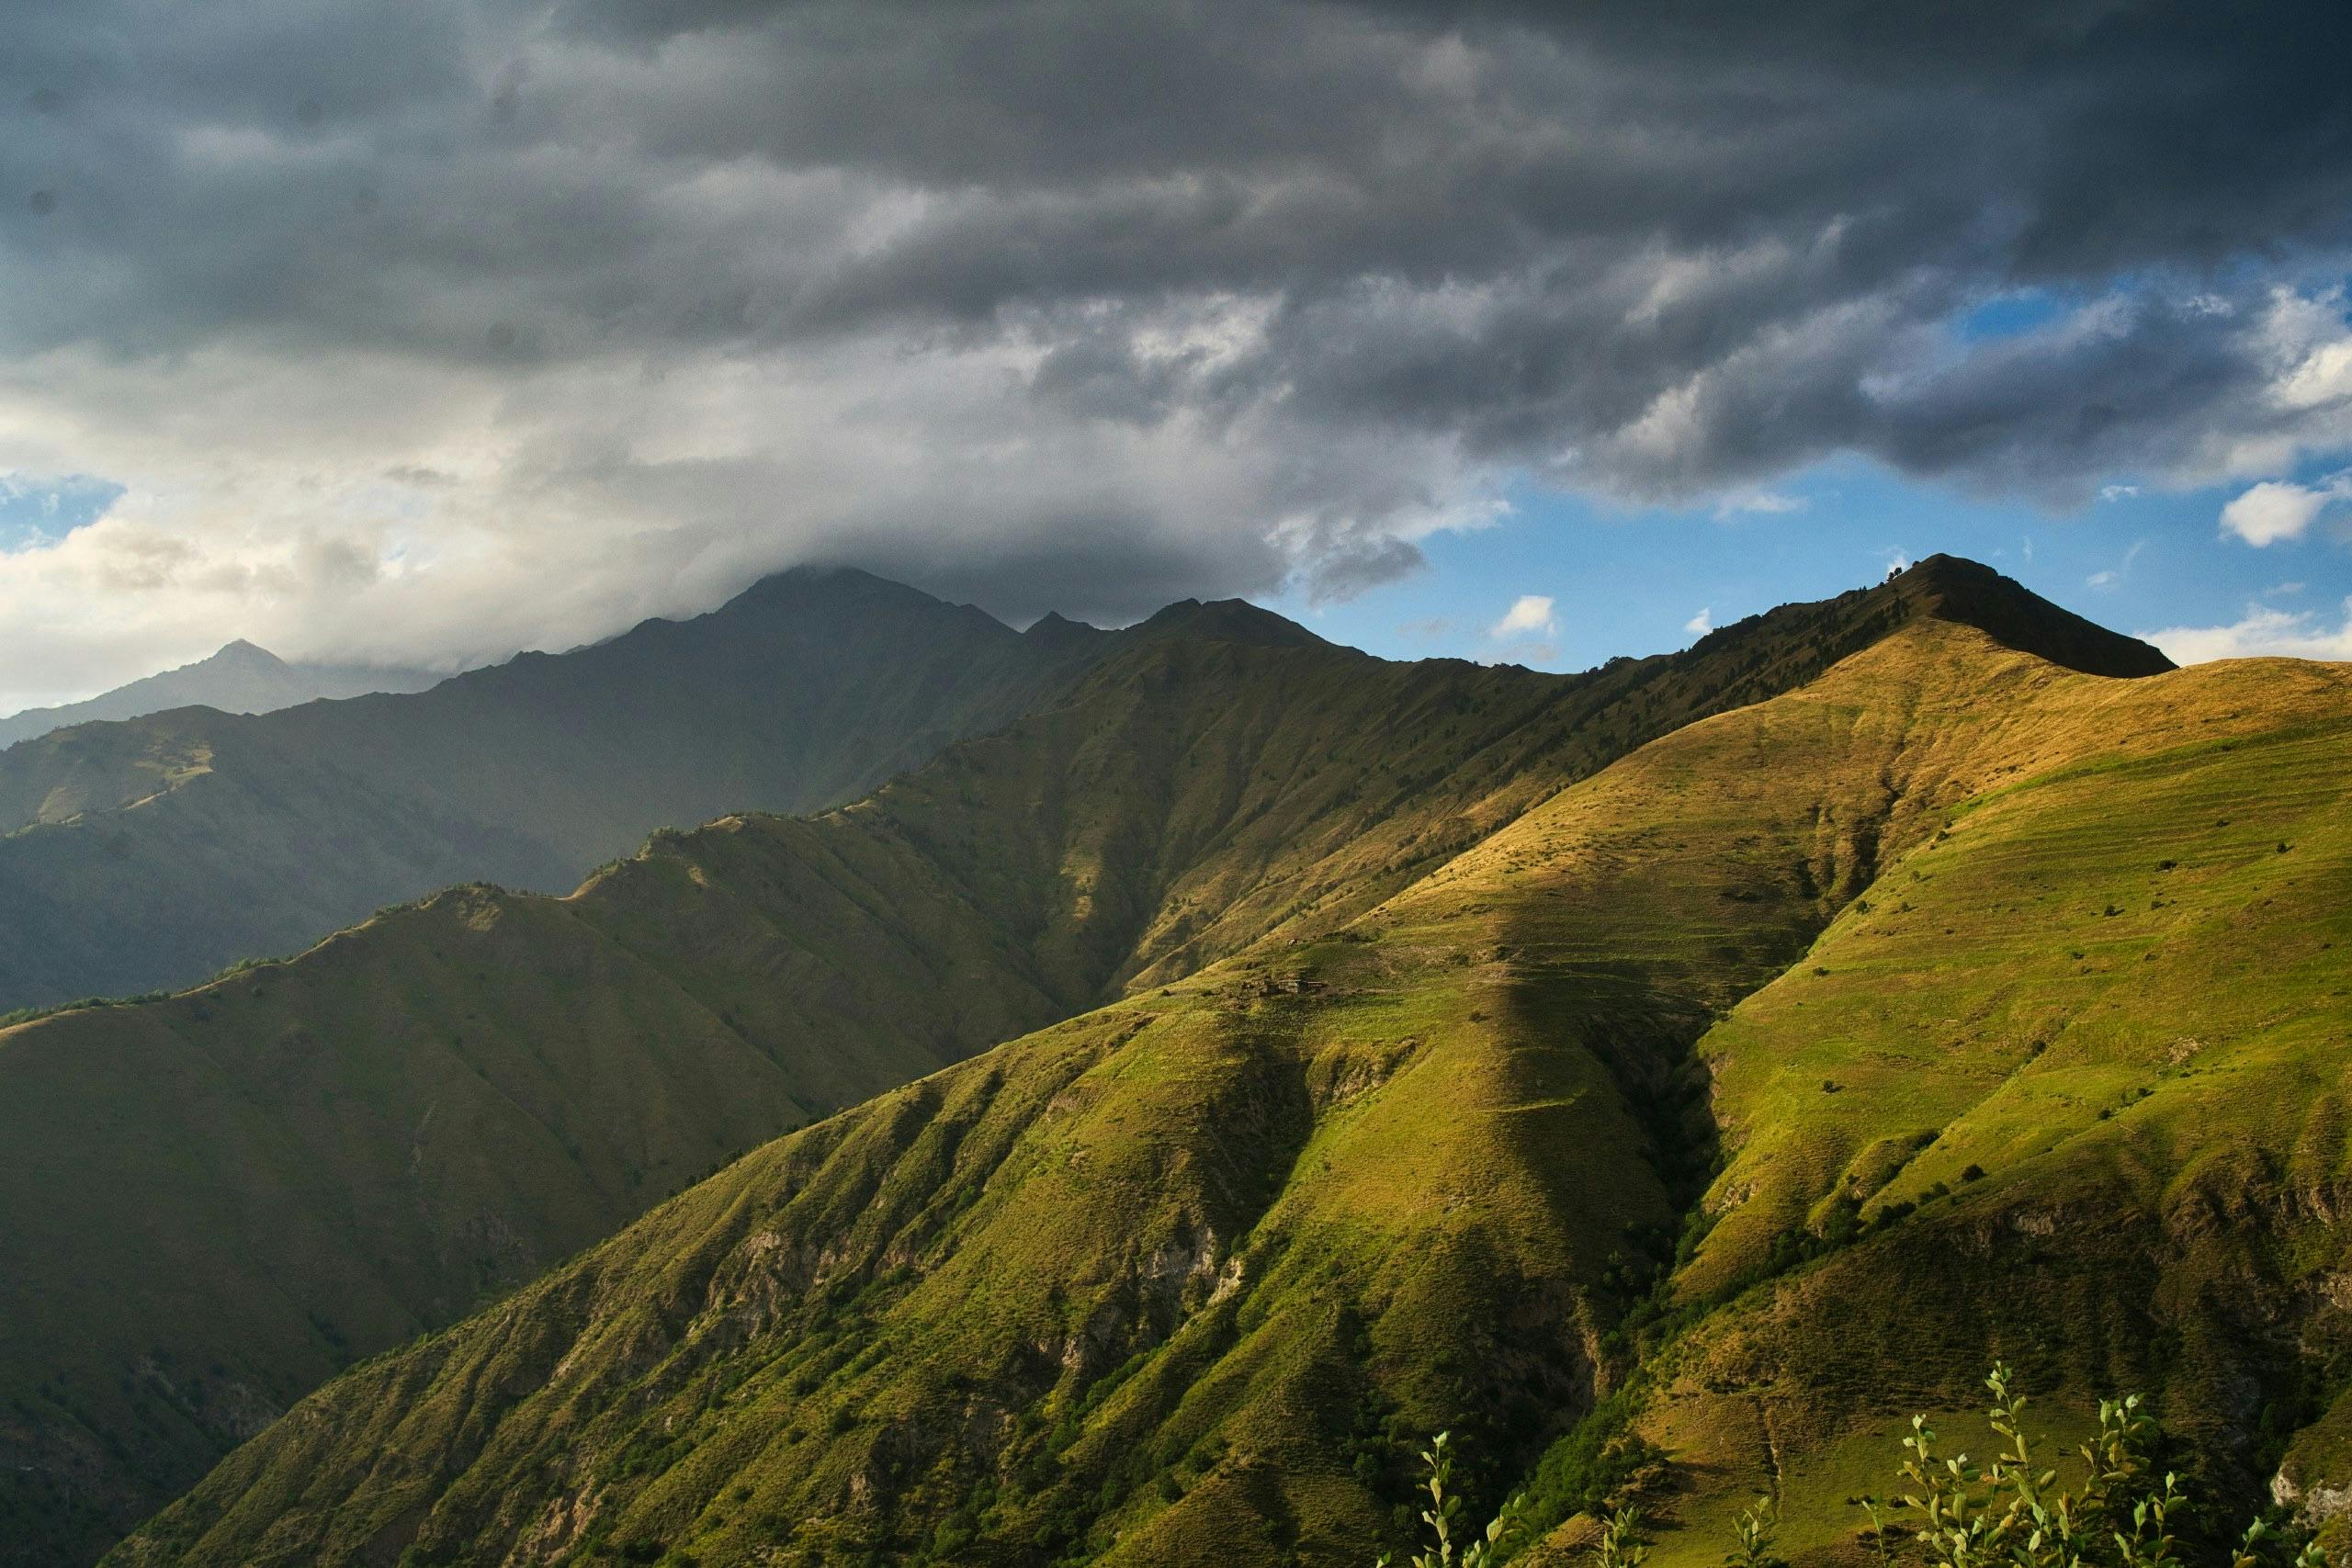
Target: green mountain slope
{"x":1166,"y":1283}
{"x":1211,"y":791}
{"x":152,"y":852}
{"x":447,"y":1098}
{"x":2090,"y":1037}
{"x":239,"y":678}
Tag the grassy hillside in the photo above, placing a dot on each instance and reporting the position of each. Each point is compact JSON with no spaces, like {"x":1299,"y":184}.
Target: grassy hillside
{"x":2089,"y":1038}
{"x":445,"y":1100}
{"x":1212,"y":789}
{"x":1169,"y":1283}
{"x":152,"y":852}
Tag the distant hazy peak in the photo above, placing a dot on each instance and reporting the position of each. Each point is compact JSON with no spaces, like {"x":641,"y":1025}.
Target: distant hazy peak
{"x":240,"y":677}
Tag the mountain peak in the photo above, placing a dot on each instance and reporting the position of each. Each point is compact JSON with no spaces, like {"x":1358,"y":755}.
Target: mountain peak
{"x":826,"y":581}
{"x":828,"y":591}
{"x":1952,"y":588}
{"x":249,"y":654}
{"x":1228,"y":620}
{"x":1053,"y":629}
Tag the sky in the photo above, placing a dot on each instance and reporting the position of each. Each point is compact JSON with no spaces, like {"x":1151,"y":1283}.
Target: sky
{"x":421,"y":332}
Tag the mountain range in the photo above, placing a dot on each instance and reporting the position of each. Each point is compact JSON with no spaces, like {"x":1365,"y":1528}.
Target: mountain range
{"x":147,"y":854}
{"x":239,"y":678}
{"x":1242,"y":1061}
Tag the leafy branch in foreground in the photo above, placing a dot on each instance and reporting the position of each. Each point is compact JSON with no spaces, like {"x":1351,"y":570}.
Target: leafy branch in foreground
{"x":1753,"y":1532}
{"x":1445,"y":1511}
{"x":2012,"y":1512}
{"x":1620,"y":1544}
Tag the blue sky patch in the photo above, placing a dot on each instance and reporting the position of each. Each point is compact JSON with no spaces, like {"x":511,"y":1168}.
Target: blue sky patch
{"x":1639,"y":580}
{"x":2012,"y":314}
{"x":36,"y":511}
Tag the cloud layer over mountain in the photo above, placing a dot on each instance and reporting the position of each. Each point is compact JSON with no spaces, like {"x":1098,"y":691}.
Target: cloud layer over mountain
{"x":423,"y":330}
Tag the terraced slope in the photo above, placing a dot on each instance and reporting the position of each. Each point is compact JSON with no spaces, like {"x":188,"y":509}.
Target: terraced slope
{"x":235,"y":1191}
{"x":152,"y":852}
{"x":1167,"y":1284}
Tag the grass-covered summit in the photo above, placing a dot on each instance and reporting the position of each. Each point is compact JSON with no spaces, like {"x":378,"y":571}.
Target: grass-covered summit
{"x":1734,"y":1099}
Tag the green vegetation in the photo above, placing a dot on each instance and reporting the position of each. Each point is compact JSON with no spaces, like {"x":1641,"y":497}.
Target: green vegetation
{"x":1754,"y":1536}
{"x":1593,"y":1466}
{"x":2103,"y":1145}
{"x":2124,"y":1509}
{"x":2013,"y":1510}
{"x":1167,"y":1282}
{"x":433,"y":1107}
{"x":1443,"y":1517}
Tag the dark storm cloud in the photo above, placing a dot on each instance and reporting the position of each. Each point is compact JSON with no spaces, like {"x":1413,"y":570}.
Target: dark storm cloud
{"x":1269,"y":288}
{"x":398,"y":170}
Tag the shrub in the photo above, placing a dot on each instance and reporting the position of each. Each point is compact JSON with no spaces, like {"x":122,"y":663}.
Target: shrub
{"x":1752,"y":1535}
{"x":1581,"y":1471}
{"x":2008,"y":1513}
{"x":1620,"y":1544}
{"x":1443,"y":1515}
{"x":2012,"y":1511}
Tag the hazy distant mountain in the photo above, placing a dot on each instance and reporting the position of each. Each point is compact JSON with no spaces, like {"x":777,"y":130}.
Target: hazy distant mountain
{"x":155,"y":852}
{"x":241,"y":678}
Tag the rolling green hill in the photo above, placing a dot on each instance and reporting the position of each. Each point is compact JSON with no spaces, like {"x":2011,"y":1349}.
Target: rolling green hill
{"x":307,"y":1161}
{"x":1611,"y":1117}
{"x":2090,"y":1036}
{"x":151,"y":852}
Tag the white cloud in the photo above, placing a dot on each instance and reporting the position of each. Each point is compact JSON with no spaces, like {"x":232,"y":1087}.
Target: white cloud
{"x":2276,"y":509}
{"x":1529,"y":616}
{"x":1700,"y":623}
{"x":1767,"y":502}
{"x":2117,"y":493}
{"x":2116,"y":573}
{"x":442,"y":514}
{"x":2264,"y":632}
